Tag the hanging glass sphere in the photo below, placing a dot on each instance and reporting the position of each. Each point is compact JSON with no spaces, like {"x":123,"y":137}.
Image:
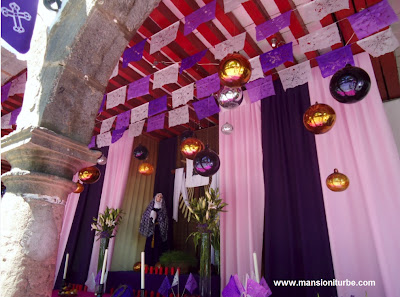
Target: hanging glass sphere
{"x":337,"y":181}
{"x":350,"y":84}
{"x":319,"y":118}
{"x":137,"y":266}
{"x":227,"y":128}
{"x":190,"y":147}
{"x":89,"y":175}
{"x":3,"y":189}
{"x":141,"y":152}
{"x":79,"y":188}
{"x":102,"y":160}
{"x":146,"y":169}
{"x":206,"y":163}
{"x":229,"y":97}
{"x":234,"y":70}
{"x":186,"y":134}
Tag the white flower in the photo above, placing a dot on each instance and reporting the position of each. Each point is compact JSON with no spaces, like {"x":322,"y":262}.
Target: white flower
{"x":94,"y":227}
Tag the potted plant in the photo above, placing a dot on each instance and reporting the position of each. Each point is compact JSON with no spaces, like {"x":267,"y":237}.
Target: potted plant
{"x":179,"y":259}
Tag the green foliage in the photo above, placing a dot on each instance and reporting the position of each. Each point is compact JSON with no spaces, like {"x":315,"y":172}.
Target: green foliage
{"x":106,"y":223}
{"x":172,"y":258}
{"x":206,"y":210}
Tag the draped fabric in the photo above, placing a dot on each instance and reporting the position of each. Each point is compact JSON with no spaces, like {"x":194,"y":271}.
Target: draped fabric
{"x":164,"y":181}
{"x":138,"y":193}
{"x":242,"y":187}
{"x":115,"y":180}
{"x":363,"y":220}
{"x":296,"y":242}
{"x":80,"y":237}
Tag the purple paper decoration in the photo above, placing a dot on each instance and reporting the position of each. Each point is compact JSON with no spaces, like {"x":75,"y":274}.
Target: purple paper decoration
{"x":276,"y":57}
{"x":123,"y":120}
{"x":156,"y":122}
{"x":208,"y":85}
{"x":14,"y":116}
{"x":139,"y":88}
{"x":206,"y":107}
{"x":260,"y":88}
{"x":335,"y":60}
{"x":4,"y":91}
{"x":191,"y":284}
{"x":157,"y":105}
{"x":231,"y":289}
{"x":201,"y":15}
{"x":102,"y":104}
{"x":117,"y":134}
{"x":263,"y":283}
{"x":17,"y":22}
{"x":92,"y":142}
{"x":134,"y":53}
{"x":189,"y":62}
{"x":165,"y":287}
{"x":255,"y":289}
{"x":372,"y":19}
{"x":272,"y":26}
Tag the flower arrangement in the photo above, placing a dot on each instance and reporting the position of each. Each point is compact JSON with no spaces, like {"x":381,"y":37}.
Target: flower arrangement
{"x":107,"y":222}
{"x":205,"y":210}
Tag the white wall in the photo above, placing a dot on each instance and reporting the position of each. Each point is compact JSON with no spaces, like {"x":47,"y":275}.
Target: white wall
{"x":392,"y":109}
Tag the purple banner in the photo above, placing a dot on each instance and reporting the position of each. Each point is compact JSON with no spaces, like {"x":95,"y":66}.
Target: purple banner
{"x":276,"y":57}
{"x":133,"y":54}
{"x":102,"y":104}
{"x":123,"y":120}
{"x":17,"y":22}
{"x":117,"y":134}
{"x":156,"y":122}
{"x":260,"y":88}
{"x":372,"y":19}
{"x":139,"y":88}
{"x":206,"y":107}
{"x":14,"y":116}
{"x":189,"y":62}
{"x":208,"y":85}
{"x":335,"y":60}
{"x":4,"y":91}
{"x":157,"y":105}
{"x":201,"y":15}
{"x":272,"y":26}
{"x":92,"y":142}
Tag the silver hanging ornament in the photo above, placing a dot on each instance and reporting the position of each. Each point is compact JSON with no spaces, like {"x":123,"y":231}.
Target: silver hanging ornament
{"x":227,"y":128}
{"x":102,"y":160}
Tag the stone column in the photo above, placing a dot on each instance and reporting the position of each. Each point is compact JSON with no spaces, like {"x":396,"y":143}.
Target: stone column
{"x":32,"y":209}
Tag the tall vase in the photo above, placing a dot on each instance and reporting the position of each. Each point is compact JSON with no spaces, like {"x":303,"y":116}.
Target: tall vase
{"x":205,"y":265}
{"x":103,"y":246}
{"x":217,"y":260}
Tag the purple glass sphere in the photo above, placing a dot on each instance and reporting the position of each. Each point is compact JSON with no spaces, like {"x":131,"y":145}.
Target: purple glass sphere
{"x":206,"y":162}
{"x":141,"y":152}
{"x":350,"y":84}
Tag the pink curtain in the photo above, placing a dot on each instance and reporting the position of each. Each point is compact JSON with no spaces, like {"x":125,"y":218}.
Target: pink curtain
{"x":115,"y":178}
{"x":242,"y":187}
{"x":363,"y":221}
{"x":69,"y":213}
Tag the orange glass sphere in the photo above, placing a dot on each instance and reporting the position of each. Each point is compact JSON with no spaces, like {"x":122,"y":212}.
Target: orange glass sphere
{"x":89,"y":175}
{"x":146,"y":169}
{"x":234,"y":70}
{"x":190,"y":147}
{"x":337,"y":181}
{"x":137,"y":266}
{"x":319,"y":118}
{"x":79,"y":188}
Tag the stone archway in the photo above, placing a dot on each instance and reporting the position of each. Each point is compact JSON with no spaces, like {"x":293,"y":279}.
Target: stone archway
{"x":66,"y":81}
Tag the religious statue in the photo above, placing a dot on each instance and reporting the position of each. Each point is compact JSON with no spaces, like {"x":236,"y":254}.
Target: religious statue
{"x":154,"y":225}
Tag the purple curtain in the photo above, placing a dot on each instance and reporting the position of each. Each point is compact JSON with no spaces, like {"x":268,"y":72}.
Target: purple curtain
{"x":164,"y":180}
{"x":80,"y":240}
{"x":296,"y":241}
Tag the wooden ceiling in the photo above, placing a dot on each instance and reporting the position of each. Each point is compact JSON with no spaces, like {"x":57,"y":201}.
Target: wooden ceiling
{"x":209,"y":34}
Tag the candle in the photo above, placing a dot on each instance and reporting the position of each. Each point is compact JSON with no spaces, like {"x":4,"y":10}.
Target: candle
{"x":104,"y":267}
{"x":66,"y":266}
{"x":256,"y":268}
{"x":142,"y":271}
